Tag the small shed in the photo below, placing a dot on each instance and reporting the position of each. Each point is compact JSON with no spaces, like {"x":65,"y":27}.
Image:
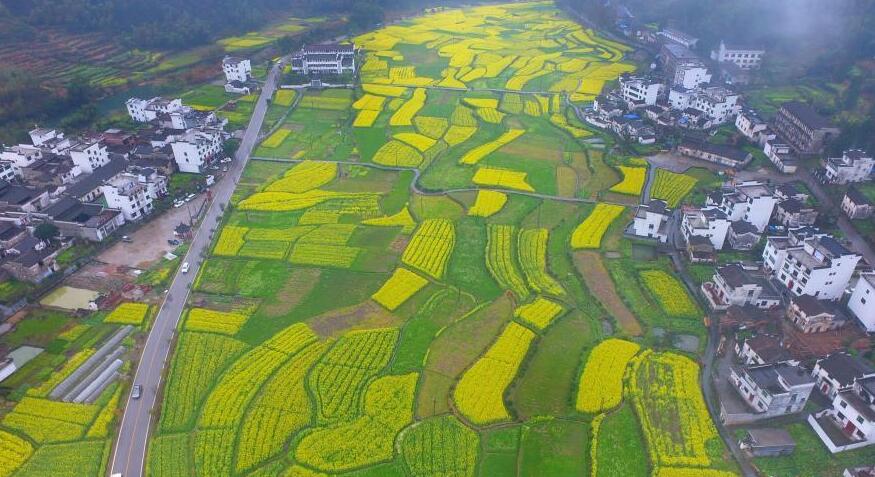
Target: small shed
{"x":770,"y":442}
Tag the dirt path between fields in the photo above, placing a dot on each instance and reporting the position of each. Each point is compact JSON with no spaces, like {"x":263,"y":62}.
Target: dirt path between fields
{"x":599,"y":282}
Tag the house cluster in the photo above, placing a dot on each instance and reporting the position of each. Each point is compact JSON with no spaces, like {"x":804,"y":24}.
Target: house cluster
{"x":192,"y":138}
{"x":238,"y":75}
{"x":683,"y":94}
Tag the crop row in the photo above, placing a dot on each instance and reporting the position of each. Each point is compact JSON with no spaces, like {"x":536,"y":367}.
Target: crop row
{"x":589,"y":233}
{"x":500,"y":259}
{"x":430,"y":247}
{"x":305,"y":176}
{"x":532,"y":251}
{"x":487,"y":203}
{"x":540,"y":313}
{"x":402,"y":285}
{"x":601,"y":385}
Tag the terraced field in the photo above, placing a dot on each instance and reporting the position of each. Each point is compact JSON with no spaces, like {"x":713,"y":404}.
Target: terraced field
{"x":394,"y":290}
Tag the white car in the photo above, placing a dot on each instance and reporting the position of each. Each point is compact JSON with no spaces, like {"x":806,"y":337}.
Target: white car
{"x":184,"y":268}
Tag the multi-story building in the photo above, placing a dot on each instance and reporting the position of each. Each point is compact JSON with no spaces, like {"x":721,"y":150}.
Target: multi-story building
{"x":768,"y":390}
{"x":862,"y":302}
{"x":856,"y":205}
{"x":750,"y":201}
{"x":750,"y":125}
{"x":803,"y":128}
{"x":710,"y":223}
{"x":717,"y":103}
{"x":236,"y":69}
{"x":328,"y":58}
{"x":125,"y":192}
{"x":89,"y":154}
{"x":838,"y":371}
{"x":676,"y":36}
{"x":850,"y":422}
{"x":745,"y":57}
{"x":761,"y":349}
{"x":855,"y":165}
{"x":743,"y":235}
{"x":18,"y":198}
{"x":91,"y":222}
{"x":733,"y":285}
{"x":683,"y":67}
{"x":8,"y":171}
{"x":651,"y":220}
{"x":638,"y":91}
{"x":811,"y":315}
{"x":818,"y":266}
{"x":195,"y":148}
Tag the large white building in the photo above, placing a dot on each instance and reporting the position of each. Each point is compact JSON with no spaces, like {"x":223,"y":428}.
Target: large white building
{"x":717,"y":103}
{"x":195,"y":148}
{"x":126,"y":193}
{"x":89,"y":154}
{"x":746,"y":57}
{"x":146,"y":110}
{"x":752,"y":202}
{"x":679,"y":37}
{"x":750,"y":125}
{"x":862,"y":302}
{"x":710,"y":223}
{"x":237,"y":69}
{"x":638,"y":91}
{"x":854,"y":166}
{"x":329,"y":58}
{"x":817,"y":265}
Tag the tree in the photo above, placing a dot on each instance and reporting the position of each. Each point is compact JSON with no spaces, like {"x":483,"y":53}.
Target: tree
{"x":366,"y":14}
{"x":46,"y":231}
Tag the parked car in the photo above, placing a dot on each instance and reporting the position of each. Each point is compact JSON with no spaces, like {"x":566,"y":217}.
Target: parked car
{"x":178,"y":203}
{"x":127,"y":239}
{"x":210,"y":180}
{"x":173,"y":242}
{"x":184,"y":268}
{"x":189,"y":197}
{"x":137,"y":391}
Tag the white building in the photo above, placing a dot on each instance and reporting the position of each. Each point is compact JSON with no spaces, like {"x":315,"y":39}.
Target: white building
{"x":679,"y":37}
{"x":638,"y":91}
{"x":236,"y":69}
{"x":856,"y":205}
{"x":7,"y":171}
{"x":126,"y":193}
{"x":850,"y":423}
{"x":40,"y":136}
{"x":769,"y":390}
{"x":838,"y":371}
{"x":862,"y":302}
{"x":330,"y":58}
{"x":746,"y":57}
{"x":854,"y":166}
{"x":683,"y":67}
{"x":22,"y":155}
{"x":89,"y":155}
{"x":195,"y":148}
{"x":651,"y":221}
{"x":717,"y":103}
{"x":709,"y":222}
{"x":146,"y":110}
{"x":781,"y":156}
{"x":750,"y":125}
{"x":734,"y":285}
{"x":752,"y":202}
{"x":818,"y":266}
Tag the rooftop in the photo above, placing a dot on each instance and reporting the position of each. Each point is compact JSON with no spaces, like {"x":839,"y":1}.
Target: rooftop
{"x":768,"y":348}
{"x":857,"y":197}
{"x":770,"y":437}
{"x":807,"y":115}
{"x":769,"y":376}
{"x":858,"y":404}
{"x":844,"y":368}
{"x":729,"y":152}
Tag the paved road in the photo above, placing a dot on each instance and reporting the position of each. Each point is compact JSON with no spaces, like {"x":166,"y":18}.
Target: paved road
{"x":130,"y":449}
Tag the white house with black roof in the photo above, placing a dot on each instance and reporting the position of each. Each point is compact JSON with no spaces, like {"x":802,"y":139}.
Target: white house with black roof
{"x":862,"y":301}
{"x":855,"y":165}
{"x":767,"y":391}
{"x":733,"y":284}
{"x":793,"y":213}
{"x":856,"y":205}
{"x":838,"y":371}
{"x":651,"y":220}
{"x":850,"y":423}
{"x":819,"y":266}
{"x":325,"y":58}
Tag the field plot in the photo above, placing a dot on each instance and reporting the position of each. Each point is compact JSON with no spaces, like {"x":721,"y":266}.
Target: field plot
{"x":395,"y":291}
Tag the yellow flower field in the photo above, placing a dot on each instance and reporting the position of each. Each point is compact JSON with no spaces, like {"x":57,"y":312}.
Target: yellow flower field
{"x":589,"y":233}
{"x":601,"y":385}
{"x":402,"y":285}
{"x":431,"y":246}
{"x":487,"y":203}
{"x":277,"y":138}
{"x":505,"y":178}
{"x":128,"y":314}
{"x":202,"y":319}
{"x":539,"y":313}
{"x":305,"y":176}
{"x":633,"y":180}
{"x":475,"y":155}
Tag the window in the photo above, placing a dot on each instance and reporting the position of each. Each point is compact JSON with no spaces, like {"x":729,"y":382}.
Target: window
{"x":843,"y":404}
{"x":860,"y":419}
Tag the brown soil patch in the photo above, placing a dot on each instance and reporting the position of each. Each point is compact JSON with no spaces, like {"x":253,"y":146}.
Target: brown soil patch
{"x":367,"y":315}
{"x":399,"y":244}
{"x":299,"y":284}
{"x":566,"y":181}
{"x":454,"y":350}
{"x":599,"y":282}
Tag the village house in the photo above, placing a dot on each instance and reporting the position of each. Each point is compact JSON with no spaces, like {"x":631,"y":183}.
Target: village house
{"x":327,"y":58}
{"x":717,"y":153}
{"x":838,"y":371}
{"x":761,"y":349}
{"x":89,"y":154}
{"x":30,"y":260}
{"x":196,"y":148}
{"x":739,"y":318}
{"x":744,"y":56}
{"x":676,"y":36}
{"x":768,"y":442}
{"x":734,"y":285}
{"x":125,"y":192}
{"x":236,"y":69}
{"x":743,"y":235}
{"x":811,"y":315}
{"x":22,"y":198}
{"x":768,"y":390}
{"x":781,"y":155}
{"x":867,"y":471}
{"x":749,"y":124}
{"x":716,"y":105}
{"x":850,"y":423}
{"x":855,"y":165}
{"x":8,"y":171}
{"x":750,"y":201}
{"x":793,"y":213}
{"x":87,"y":186}
{"x":710,"y":223}
{"x":147,"y":110}
{"x":789,"y":191}
{"x":819,"y":266}
{"x":803,"y":128}
{"x":862,"y":301}
{"x":638,"y":91}
{"x":91,"y":222}
{"x":856,"y":205}
{"x":682,"y":67}
{"x":651,"y":220}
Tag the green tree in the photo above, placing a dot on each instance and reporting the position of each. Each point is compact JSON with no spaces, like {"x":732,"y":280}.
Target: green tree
{"x":46,"y":231}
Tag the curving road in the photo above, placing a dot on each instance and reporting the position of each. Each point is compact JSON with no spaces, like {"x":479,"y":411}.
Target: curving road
{"x":129,"y":453}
